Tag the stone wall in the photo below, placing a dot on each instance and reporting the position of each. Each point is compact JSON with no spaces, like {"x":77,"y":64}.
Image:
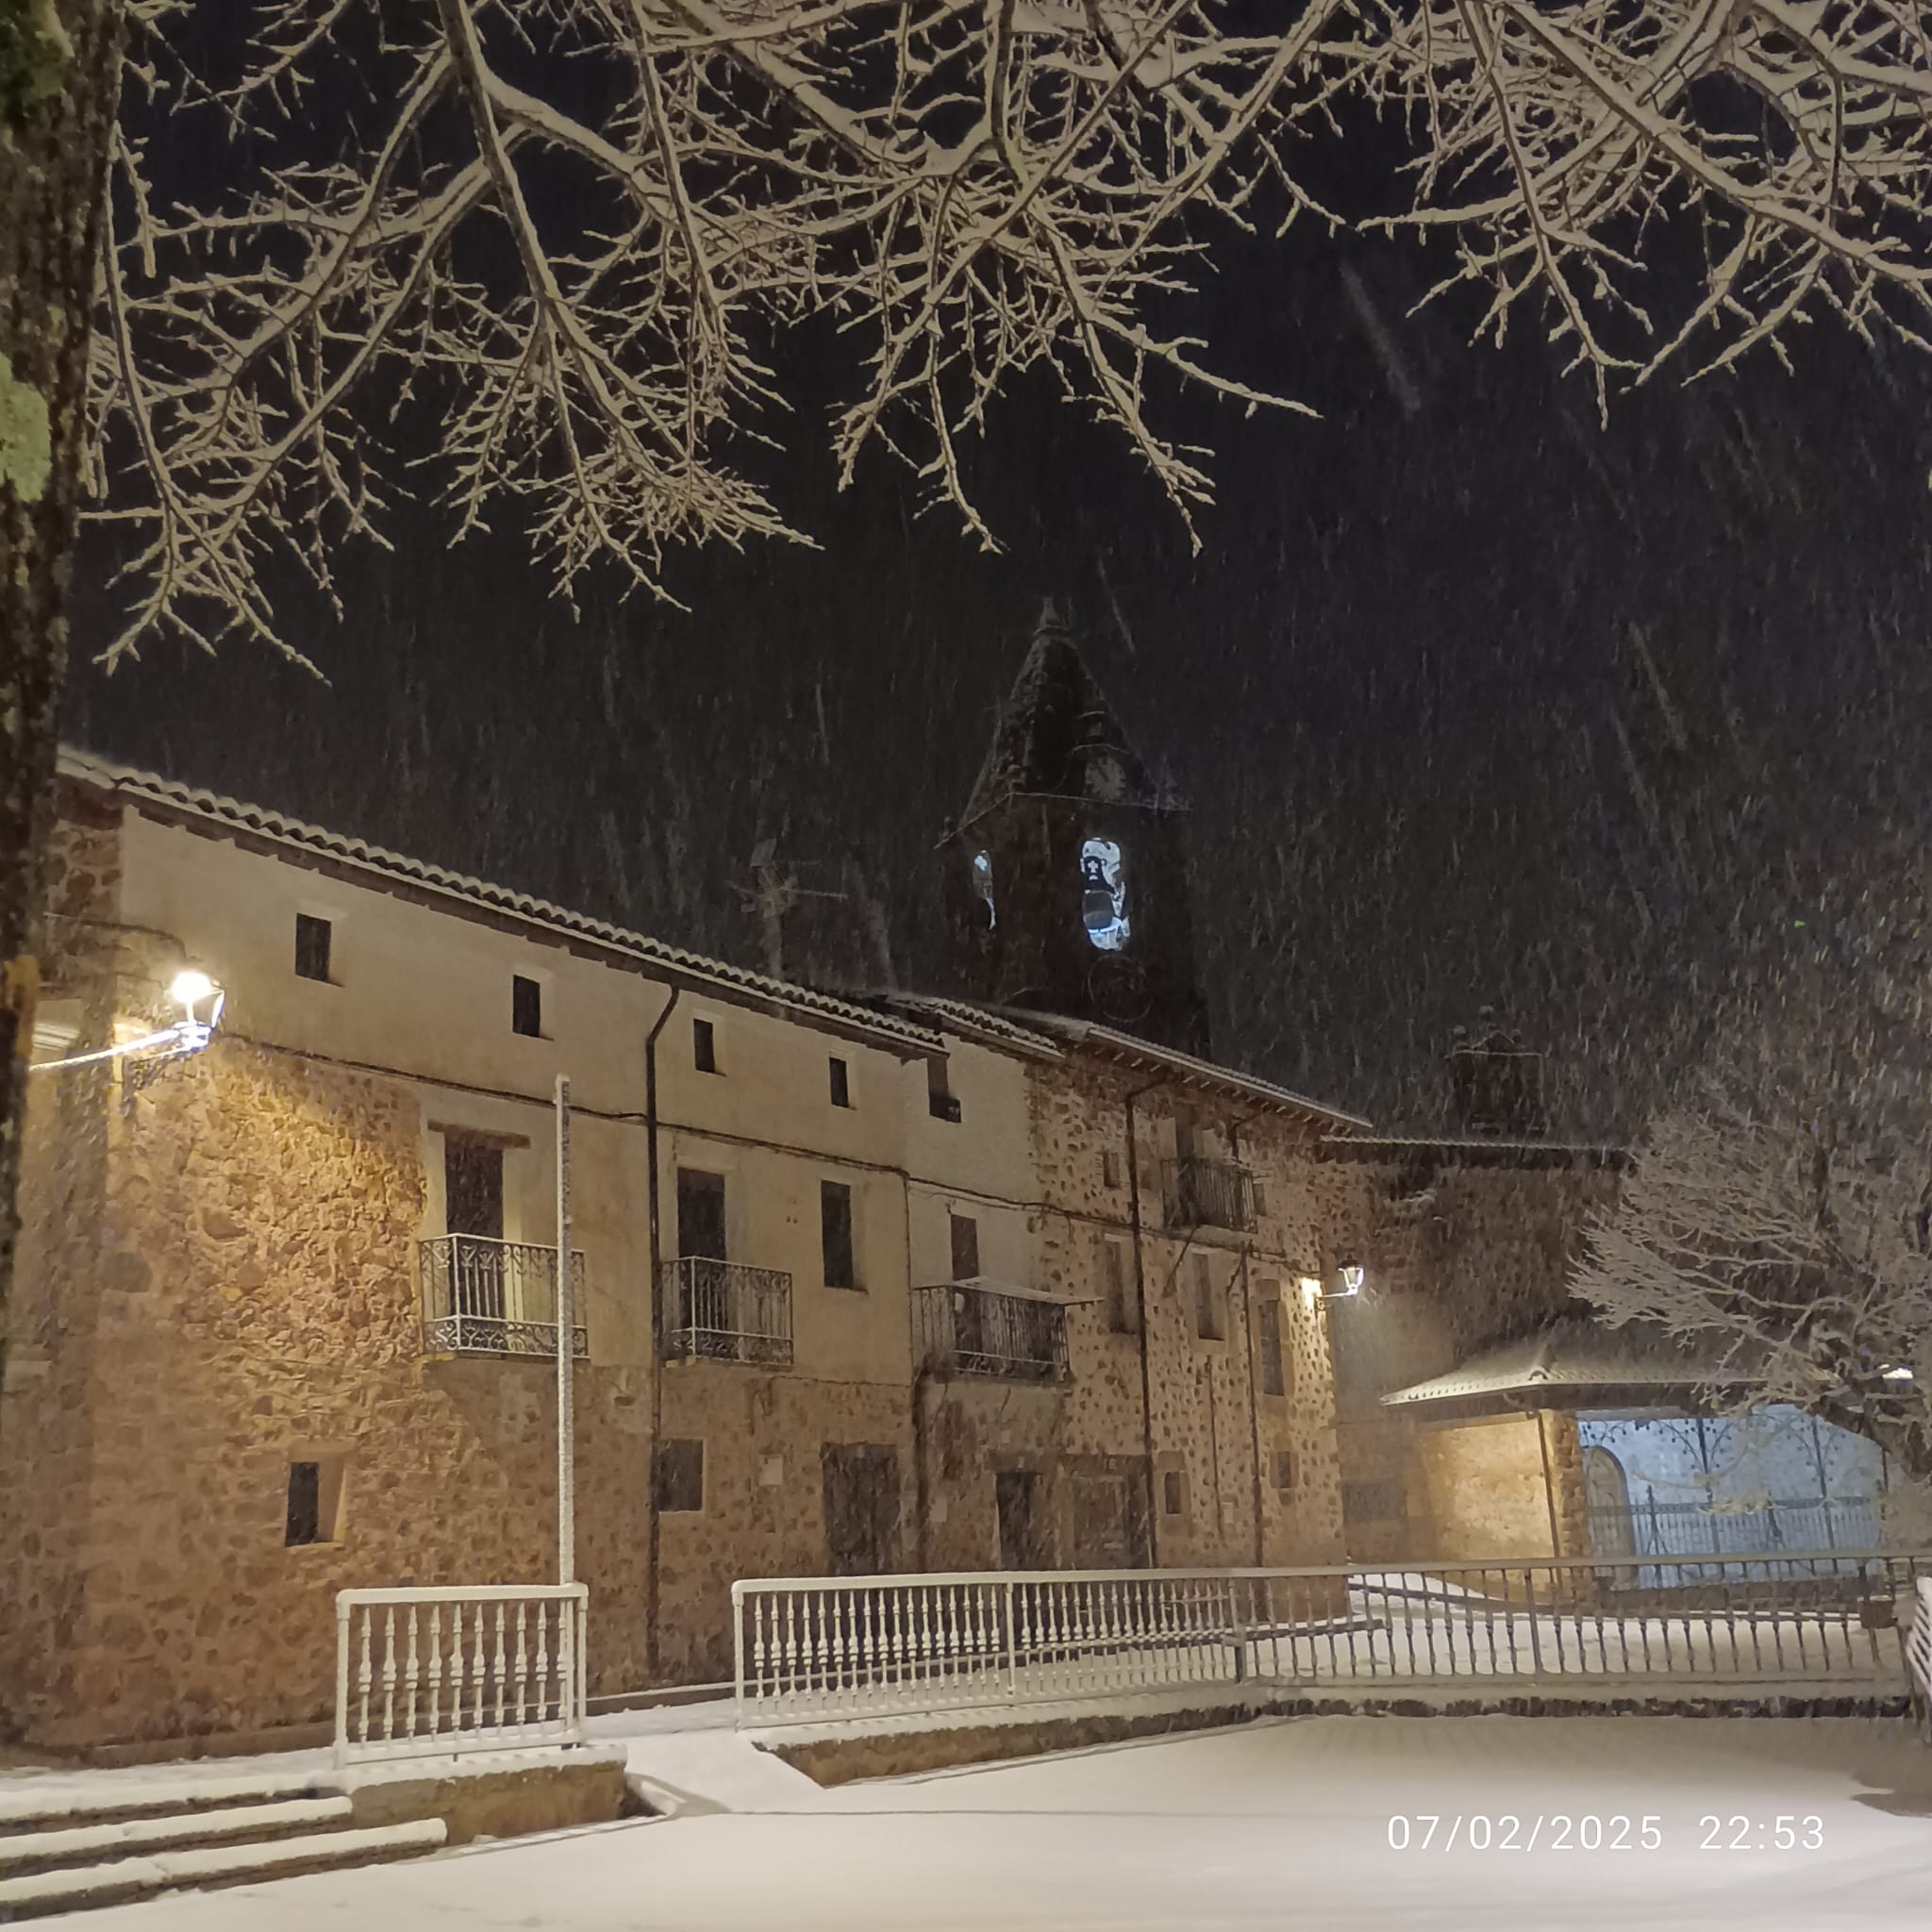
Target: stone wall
{"x":1083,"y":1441}
{"x":46,"y":1416}
{"x":1467,"y":1249}
{"x":1483,"y":1488}
{"x":220,"y":1281}
{"x":252,"y":1303}
{"x":1209,"y":1419}
{"x":764,"y":1434}
{"x":243,"y":1295}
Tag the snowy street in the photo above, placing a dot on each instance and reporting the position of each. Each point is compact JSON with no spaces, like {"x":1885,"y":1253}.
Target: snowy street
{"x":1282,"y":1822}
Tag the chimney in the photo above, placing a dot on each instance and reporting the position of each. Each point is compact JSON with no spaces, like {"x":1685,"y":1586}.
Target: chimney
{"x":1496,"y":1083}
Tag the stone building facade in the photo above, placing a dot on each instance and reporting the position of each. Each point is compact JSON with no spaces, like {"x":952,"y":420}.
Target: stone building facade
{"x":1187,"y":1420}
{"x":1014,"y":1276}
{"x":865,"y":1285}
{"x":1469,"y":1244}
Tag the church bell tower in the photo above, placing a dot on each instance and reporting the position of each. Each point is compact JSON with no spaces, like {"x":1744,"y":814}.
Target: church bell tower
{"x":1067,"y":874}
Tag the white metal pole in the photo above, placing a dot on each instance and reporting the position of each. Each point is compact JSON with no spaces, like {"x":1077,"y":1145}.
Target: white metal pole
{"x":566,"y":1353}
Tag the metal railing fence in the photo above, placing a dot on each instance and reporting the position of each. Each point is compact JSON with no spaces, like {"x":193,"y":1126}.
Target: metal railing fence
{"x":959,"y":1329}
{"x":1650,"y":1528}
{"x":1209,"y":1194}
{"x":726,"y":1312}
{"x":820,"y":1649}
{"x":438,"y":1673}
{"x":483,"y":1296}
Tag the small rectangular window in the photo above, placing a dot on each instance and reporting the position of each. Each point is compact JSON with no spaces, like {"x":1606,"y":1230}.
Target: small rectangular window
{"x":526,"y":1006}
{"x":312,"y":937}
{"x":1257,"y":1196}
{"x":1284,"y":1469}
{"x":1109,"y":1169}
{"x":1207,"y":1301}
{"x":940,"y":1102}
{"x":1122,"y":1310}
{"x":704,"y":1046}
{"x":313,"y":1502}
{"x":842,"y":1083}
{"x":1269,"y":1339}
{"x":965,"y":1232}
{"x":700,"y":1217}
{"x":835,"y":1233}
{"x":472,"y":1205}
{"x":680,"y":1477}
{"x":1173,"y":1494}
{"x":305,"y":1504}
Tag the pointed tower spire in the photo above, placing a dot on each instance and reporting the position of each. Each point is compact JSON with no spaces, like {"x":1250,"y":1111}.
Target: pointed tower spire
{"x":1067,"y":871}
{"x":1057,"y":736}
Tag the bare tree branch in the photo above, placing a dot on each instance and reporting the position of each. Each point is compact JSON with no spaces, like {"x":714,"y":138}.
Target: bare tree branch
{"x":567,"y":233}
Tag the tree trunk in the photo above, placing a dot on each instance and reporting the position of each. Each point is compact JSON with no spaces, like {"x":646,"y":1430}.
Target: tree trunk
{"x":60,"y":87}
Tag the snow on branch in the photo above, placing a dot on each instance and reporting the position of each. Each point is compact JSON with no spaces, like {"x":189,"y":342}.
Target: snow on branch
{"x":1781,"y":1214}
{"x":1786,"y":143}
{"x":565,"y":235}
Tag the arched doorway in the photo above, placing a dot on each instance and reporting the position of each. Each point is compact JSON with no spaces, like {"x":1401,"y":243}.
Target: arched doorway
{"x":1607,"y":1505}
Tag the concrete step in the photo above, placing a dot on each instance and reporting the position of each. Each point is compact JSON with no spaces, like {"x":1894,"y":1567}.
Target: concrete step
{"x":90,"y":1844}
{"x":117,"y":1797}
{"x":119,"y":1880}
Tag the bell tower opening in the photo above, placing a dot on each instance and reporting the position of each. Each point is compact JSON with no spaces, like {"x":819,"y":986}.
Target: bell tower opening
{"x":1068,"y":869}
{"x":1103,"y":895}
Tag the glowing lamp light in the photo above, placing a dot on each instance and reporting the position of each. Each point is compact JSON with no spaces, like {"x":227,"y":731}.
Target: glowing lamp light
{"x":191,"y":990}
{"x":1347,"y":1280}
{"x":192,"y":985}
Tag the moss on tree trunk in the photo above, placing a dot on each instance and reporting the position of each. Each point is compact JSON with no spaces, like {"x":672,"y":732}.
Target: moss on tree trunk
{"x":59,"y":84}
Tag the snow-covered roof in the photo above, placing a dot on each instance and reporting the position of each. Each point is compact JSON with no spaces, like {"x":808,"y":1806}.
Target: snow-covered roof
{"x":176,"y":803}
{"x":1088,"y":1037}
{"x":984,"y":1024}
{"x":1473,"y":1150}
{"x":1572,"y":1355}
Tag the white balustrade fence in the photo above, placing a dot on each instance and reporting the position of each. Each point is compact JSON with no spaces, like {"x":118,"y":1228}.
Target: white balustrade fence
{"x":817,"y":1649}
{"x":434,"y":1672}
{"x":1919,"y":1651}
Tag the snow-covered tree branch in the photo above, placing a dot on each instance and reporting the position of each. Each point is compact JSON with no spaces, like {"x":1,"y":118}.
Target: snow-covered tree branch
{"x":568,"y":233}
{"x":1781,"y":1214}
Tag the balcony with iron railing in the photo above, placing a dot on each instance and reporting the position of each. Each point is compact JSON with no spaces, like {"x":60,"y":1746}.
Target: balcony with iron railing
{"x":483,"y":1296}
{"x":1209,"y":1194}
{"x":726,"y":1312}
{"x":961,"y":1328}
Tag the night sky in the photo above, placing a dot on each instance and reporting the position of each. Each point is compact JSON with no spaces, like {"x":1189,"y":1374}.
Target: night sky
{"x":1475,"y":702}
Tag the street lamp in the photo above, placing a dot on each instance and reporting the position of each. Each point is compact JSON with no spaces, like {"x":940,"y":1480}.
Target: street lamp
{"x":192,"y":991}
{"x":1343,"y":1285}
{"x":191,"y":987}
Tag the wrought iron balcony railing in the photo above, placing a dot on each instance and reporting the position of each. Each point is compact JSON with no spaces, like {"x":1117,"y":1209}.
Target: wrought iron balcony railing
{"x":724,"y":1311}
{"x":1209,"y":1194}
{"x":962,"y":1329}
{"x":482,"y":1296}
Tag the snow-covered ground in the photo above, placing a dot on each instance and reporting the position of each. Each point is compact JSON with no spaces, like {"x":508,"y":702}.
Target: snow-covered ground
{"x":1279,"y":1824}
